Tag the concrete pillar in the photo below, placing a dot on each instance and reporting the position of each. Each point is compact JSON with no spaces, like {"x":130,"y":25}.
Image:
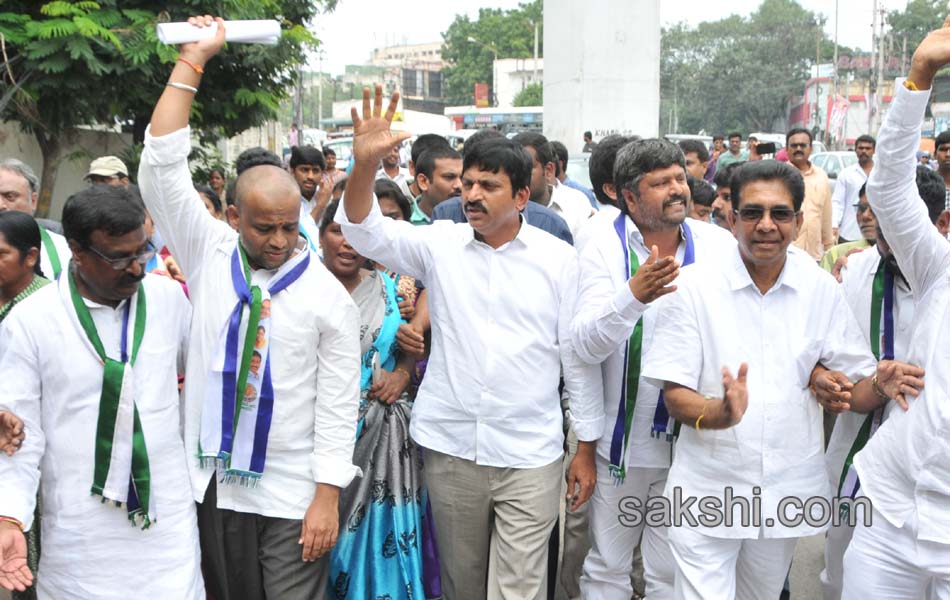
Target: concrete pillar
{"x":601,"y":69}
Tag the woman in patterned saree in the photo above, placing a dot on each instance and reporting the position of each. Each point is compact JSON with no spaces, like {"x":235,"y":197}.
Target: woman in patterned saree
{"x":379,"y":551}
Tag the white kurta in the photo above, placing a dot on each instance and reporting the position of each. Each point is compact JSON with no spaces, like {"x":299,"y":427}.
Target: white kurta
{"x":53,"y":380}
{"x":315,"y":352}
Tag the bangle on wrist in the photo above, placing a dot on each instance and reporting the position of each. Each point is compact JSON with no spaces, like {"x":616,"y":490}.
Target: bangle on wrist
{"x":13,"y":521}
{"x":182,"y":86}
{"x":911,"y":85}
{"x":197,"y":68}
{"x":401,"y":370}
{"x":703,"y":413}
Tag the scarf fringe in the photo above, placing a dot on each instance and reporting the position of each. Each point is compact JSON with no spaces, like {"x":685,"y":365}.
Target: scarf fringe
{"x":242,"y":478}
{"x":137,"y":518}
{"x":618,"y":473}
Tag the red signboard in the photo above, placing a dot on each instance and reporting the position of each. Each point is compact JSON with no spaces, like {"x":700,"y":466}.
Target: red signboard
{"x":481,"y":95}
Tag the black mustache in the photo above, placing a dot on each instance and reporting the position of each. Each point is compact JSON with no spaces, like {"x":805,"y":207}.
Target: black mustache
{"x":130,"y":279}
{"x":476,"y":204}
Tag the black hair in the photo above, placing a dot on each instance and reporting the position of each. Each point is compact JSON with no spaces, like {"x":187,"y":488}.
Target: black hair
{"x":329,"y":213}
{"x":386,"y":188}
{"x":932,"y":191}
{"x":697,"y":147}
{"x":115,"y":210}
{"x":768,"y":170}
{"x":426,"y":141}
{"x":865,"y":138}
{"x":501,"y":153}
{"x":560,"y":151}
{"x":735,"y":134}
{"x":638,"y":158}
{"x":254,"y":157}
{"x":257,"y":354}
{"x":701,"y":191}
{"x":943,"y":138}
{"x":218,"y":171}
{"x":22,"y":232}
{"x":601,"y":165}
{"x":542,"y":147}
{"x":230,"y":192}
{"x":864,"y":189}
{"x":796,"y":131}
{"x":723,"y":176}
{"x":426,"y":162}
{"x":478,"y":137}
{"x":211,"y":195}
{"x":307,"y":155}
{"x":718,"y":136}
{"x":329,"y":152}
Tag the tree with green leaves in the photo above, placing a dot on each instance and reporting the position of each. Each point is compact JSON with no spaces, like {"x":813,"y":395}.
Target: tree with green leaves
{"x":918,"y":18}
{"x":471,"y":46}
{"x":738,"y":73}
{"x":80,"y":62}
{"x":531,"y":95}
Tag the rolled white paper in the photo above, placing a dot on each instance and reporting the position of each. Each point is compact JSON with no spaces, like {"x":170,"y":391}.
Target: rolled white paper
{"x":245,"y":32}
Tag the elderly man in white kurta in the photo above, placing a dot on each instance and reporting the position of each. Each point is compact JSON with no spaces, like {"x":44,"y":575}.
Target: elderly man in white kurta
{"x":268,"y":449}
{"x":769,"y":315}
{"x":620,"y":291}
{"x":905,"y":467}
{"x":91,"y":365}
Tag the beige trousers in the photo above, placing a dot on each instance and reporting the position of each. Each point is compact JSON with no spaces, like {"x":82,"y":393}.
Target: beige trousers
{"x":492,"y":525}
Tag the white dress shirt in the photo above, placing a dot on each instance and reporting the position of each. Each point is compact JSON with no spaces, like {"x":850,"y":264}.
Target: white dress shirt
{"x":571,"y":205}
{"x":607,"y":313}
{"x":843,"y":200}
{"x":606,"y":214}
{"x":905,"y":467}
{"x":857,"y":280}
{"x":63,"y":251}
{"x":719,"y":318}
{"x":314,"y":355}
{"x":53,"y":381}
{"x":402,"y":179}
{"x":500,"y":336}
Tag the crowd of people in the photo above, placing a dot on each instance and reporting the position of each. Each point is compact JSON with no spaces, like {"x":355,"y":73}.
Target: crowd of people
{"x":474,"y":377}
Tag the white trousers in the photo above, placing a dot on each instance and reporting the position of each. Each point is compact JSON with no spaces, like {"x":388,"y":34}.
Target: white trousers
{"x":836,"y":543}
{"x":606,"y":573}
{"x":710,"y":568}
{"x":884,"y":561}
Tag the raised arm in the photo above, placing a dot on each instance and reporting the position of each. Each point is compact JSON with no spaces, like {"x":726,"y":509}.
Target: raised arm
{"x":922,"y":253}
{"x":164,"y":177}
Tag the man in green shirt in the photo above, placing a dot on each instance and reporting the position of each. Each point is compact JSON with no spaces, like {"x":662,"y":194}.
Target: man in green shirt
{"x":439,"y":177}
{"x":868,"y":225}
{"x":735,"y":154}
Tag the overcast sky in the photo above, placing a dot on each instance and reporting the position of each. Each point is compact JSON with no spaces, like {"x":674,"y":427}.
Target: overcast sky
{"x":418,"y":21}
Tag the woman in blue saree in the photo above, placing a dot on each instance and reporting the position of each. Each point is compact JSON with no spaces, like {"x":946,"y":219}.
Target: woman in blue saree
{"x":379,"y":551}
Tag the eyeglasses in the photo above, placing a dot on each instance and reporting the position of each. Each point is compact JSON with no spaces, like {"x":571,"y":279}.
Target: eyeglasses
{"x":123,"y":263}
{"x":861,"y":208}
{"x":778,"y":214}
{"x":802,"y":145}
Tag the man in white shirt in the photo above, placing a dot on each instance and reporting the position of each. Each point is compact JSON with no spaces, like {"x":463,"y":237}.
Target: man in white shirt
{"x":501,"y":296}
{"x":546,"y":190}
{"x":291,"y":442}
{"x":19,"y":190}
{"x":845,"y":196}
{"x":389,"y":168}
{"x":622,"y":286}
{"x":905,"y":468}
{"x":769,"y":315}
{"x":91,"y":363}
{"x":883,"y":303}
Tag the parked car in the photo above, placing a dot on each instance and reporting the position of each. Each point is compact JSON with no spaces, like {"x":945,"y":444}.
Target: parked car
{"x":833,"y":163}
{"x":343,"y":147}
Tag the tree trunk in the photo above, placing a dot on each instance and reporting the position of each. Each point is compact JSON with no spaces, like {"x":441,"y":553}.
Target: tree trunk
{"x":52,"y":158}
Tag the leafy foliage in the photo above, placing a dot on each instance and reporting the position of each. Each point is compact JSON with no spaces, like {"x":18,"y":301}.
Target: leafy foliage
{"x":507,"y":33}
{"x":531,"y":95}
{"x":82,"y":62}
{"x":738,"y":73}
{"x":918,"y":18}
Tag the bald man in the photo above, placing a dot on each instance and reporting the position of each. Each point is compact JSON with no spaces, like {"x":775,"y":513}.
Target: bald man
{"x":272,"y":447}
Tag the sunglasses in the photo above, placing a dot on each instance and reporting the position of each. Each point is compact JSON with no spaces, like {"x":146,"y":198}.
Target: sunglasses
{"x":778,"y":214}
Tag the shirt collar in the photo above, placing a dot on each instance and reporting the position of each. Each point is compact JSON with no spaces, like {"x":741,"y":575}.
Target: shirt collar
{"x":523,"y":236}
{"x":790,"y":276}
{"x":635,"y":236}
{"x":418,"y":217}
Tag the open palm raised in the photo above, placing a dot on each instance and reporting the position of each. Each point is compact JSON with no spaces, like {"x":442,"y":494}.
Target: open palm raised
{"x":372,"y":137}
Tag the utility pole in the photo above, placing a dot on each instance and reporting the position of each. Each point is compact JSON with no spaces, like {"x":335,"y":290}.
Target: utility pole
{"x":872,"y":83}
{"x":298,"y":98}
{"x":880,"y":71}
{"x":320,"y":92}
{"x":834,"y":80}
{"x":535,"y":76}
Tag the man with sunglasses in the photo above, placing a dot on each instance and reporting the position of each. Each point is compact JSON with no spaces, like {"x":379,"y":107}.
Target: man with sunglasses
{"x":767,"y":315}
{"x":91,"y":366}
{"x":905,"y":468}
{"x":815,"y":234}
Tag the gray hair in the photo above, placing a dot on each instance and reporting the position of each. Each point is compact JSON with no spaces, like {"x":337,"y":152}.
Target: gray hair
{"x":640,"y":157}
{"x":22,"y":169}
